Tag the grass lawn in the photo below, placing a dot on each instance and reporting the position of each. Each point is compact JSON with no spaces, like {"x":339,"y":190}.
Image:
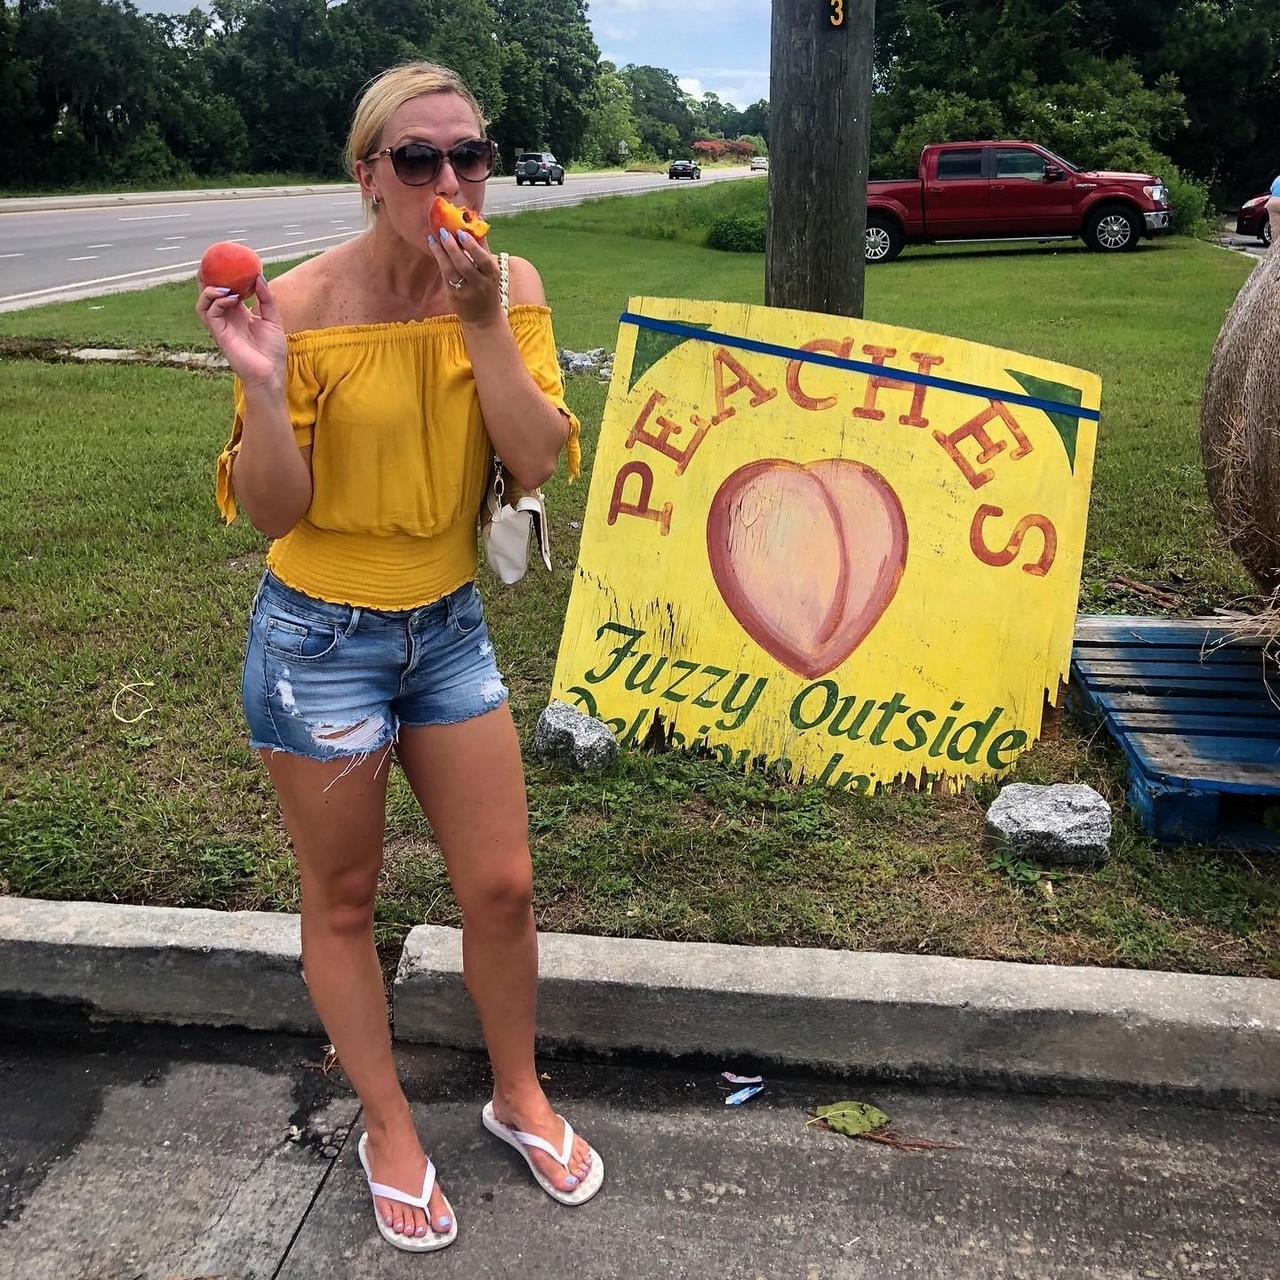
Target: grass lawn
{"x":124,"y":774}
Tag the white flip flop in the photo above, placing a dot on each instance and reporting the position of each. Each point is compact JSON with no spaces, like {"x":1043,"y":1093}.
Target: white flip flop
{"x":410,"y":1244}
{"x":523,"y":1141}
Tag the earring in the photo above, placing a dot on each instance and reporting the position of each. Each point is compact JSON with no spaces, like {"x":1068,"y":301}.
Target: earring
{"x":376,"y":202}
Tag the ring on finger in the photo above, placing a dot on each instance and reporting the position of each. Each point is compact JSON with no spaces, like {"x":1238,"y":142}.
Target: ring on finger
{"x":456,"y":282}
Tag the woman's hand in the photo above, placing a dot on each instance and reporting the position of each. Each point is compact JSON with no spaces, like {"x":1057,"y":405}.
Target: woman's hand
{"x":252,"y":341}
{"x":462,"y":258}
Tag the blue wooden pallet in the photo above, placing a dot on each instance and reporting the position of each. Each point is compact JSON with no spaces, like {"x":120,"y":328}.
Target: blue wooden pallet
{"x":1192,"y":712}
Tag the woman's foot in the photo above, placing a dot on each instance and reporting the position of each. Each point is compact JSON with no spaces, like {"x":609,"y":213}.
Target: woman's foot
{"x":534,"y":1115}
{"x":396,"y":1160}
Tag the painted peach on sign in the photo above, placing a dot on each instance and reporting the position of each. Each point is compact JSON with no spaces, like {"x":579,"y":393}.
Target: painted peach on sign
{"x":807,"y":557}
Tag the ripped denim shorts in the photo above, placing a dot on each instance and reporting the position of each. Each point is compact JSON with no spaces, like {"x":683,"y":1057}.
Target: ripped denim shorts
{"x":327,"y":681}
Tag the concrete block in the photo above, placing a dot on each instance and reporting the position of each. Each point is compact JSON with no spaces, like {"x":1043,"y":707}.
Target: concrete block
{"x":919,"y":1018}
{"x":157,"y":964}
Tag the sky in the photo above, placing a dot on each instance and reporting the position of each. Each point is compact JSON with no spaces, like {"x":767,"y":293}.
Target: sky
{"x":710,"y":46}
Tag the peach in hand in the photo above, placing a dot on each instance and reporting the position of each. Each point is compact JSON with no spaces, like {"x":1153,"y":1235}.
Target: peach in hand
{"x":454,"y":218}
{"x":227,"y":265}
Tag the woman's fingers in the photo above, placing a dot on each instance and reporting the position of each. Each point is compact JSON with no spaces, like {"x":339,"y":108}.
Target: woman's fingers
{"x":267,"y":308}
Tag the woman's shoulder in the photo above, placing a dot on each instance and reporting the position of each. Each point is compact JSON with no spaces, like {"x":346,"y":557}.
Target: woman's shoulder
{"x":306,"y":294}
{"x":524,"y":284}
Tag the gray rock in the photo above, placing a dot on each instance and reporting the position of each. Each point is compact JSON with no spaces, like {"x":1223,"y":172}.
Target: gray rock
{"x":593,"y":361}
{"x":565,"y":736}
{"x":1067,"y":823}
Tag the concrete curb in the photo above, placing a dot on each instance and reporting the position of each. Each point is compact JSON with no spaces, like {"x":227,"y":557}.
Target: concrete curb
{"x":926,"y":1019}
{"x":921,"y":1018}
{"x":157,"y":964}
{"x":107,"y":200}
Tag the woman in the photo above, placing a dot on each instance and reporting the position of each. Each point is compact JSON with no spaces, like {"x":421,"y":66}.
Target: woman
{"x":373,"y":385}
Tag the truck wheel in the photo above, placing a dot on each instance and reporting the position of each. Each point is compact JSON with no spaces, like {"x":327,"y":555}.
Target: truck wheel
{"x":560,"y":181}
{"x":1265,"y":234}
{"x":1112,"y":229}
{"x":884,"y":240}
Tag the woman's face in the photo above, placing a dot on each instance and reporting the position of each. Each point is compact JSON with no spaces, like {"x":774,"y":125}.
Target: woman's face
{"x":443,"y":120}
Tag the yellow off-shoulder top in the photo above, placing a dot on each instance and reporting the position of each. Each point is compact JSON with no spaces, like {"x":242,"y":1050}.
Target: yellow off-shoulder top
{"x":400,"y":458}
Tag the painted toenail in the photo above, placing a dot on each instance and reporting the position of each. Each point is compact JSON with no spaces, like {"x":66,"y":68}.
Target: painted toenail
{"x":421,"y":1231}
{"x":571,"y":1181}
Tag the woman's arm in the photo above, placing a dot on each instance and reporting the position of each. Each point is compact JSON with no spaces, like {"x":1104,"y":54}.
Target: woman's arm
{"x":272,"y":474}
{"x":527,"y":430}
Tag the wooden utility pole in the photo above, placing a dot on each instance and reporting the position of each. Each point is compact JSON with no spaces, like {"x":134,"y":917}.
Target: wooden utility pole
{"x":819,"y":139}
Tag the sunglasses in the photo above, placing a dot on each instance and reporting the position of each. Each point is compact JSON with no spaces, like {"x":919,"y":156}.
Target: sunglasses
{"x":418,"y":163}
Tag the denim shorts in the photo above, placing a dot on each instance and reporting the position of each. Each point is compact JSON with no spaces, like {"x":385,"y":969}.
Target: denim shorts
{"x":329,"y":681}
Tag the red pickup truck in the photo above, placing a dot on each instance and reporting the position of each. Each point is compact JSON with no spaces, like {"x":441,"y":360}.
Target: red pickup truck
{"x":1012,"y":191}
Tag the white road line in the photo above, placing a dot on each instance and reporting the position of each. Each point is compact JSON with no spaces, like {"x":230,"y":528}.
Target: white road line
{"x":175,"y":237}
{"x":167,"y":248}
{"x":10,"y":255}
{"x":148,"y":271}
{"x":91,"y":258}
{"x":291,"y":225}
{"x":99,"y":246}
{"x":154,"y":217}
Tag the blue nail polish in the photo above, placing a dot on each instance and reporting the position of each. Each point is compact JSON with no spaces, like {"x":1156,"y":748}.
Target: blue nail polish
{"x":222,"y":292}
{"x":571,"y":1180}
{"x":462,"y":237}
{"x":445,"y":1223}
{"x":444,"y":233}
{"x":431,"y":239}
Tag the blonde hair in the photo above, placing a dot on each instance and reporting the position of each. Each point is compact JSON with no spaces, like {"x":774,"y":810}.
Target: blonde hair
{"x":386,"y":93}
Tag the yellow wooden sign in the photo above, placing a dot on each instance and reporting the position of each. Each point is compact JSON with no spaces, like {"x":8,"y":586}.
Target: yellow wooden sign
{"x":845,"y":550}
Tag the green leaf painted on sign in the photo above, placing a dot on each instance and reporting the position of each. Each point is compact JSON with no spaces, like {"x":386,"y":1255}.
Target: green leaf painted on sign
{"x":651,"y":346}
{"x":1067,"y":424}
{"x":851,"y":1118}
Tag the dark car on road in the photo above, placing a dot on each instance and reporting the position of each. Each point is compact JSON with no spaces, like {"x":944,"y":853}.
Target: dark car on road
{"x":538,"y":166}
{"x":684,"y":169}
{"x":1252,"y":219}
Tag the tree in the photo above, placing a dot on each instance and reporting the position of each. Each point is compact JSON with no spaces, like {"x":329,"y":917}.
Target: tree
{"x":611,"y":124}
{"x":559,"y":65}
{"x":663,"y":120}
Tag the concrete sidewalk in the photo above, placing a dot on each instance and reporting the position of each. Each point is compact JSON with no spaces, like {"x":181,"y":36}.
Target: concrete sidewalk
{"x":922,"y":1019}
{"x":107,"y":199}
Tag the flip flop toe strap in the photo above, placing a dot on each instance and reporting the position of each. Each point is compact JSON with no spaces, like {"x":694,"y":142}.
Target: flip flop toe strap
{"x":403,"y":1197}
{"x":561,"y":1156}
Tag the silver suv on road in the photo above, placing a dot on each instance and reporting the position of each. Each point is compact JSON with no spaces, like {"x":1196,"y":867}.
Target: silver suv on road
{"x":538,"y":166}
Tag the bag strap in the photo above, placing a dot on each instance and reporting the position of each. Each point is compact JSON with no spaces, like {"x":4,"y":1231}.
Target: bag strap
{"x":504,"y":294}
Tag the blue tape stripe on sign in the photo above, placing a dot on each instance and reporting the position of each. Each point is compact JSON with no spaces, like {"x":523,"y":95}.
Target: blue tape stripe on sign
{"x":858,"y":366}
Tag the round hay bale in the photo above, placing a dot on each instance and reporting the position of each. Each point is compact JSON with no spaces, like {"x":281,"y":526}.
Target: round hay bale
{"x":1240,"y":426}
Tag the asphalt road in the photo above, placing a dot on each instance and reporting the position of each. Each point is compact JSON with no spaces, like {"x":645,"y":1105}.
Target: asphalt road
{"x":62,"y":250}
{"x":165,"y":1154}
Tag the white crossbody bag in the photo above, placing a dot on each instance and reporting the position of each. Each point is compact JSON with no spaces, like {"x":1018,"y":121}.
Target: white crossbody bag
{"x":509,"y":515}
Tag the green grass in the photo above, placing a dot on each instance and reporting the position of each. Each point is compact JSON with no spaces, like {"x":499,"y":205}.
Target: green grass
{"x":123,"y":770}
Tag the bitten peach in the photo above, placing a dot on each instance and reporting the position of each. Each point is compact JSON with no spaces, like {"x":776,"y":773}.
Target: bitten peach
{"x":226,"y":265}
{"x":455,"y":218}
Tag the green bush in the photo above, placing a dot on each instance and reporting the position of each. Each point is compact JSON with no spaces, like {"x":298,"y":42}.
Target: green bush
{"x":738,"y":233}
{"x":1188,"y":201}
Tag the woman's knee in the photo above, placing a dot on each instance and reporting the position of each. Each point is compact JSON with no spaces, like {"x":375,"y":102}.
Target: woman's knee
{"x":500,"y":900}
{"x":340,"y":903}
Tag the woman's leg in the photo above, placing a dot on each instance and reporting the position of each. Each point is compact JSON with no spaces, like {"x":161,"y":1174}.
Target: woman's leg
{"x":335,"y":812}
{"x":469,"y":780}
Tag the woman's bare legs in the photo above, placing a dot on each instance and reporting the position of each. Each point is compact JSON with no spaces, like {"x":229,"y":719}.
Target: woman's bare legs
{"x":335,"y":815}
{"x":470,"y":782}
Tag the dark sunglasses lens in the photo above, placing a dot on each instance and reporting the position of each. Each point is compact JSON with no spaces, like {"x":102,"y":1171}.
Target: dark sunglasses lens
{"x":416,"y":163}
{"x":472,"y":160}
